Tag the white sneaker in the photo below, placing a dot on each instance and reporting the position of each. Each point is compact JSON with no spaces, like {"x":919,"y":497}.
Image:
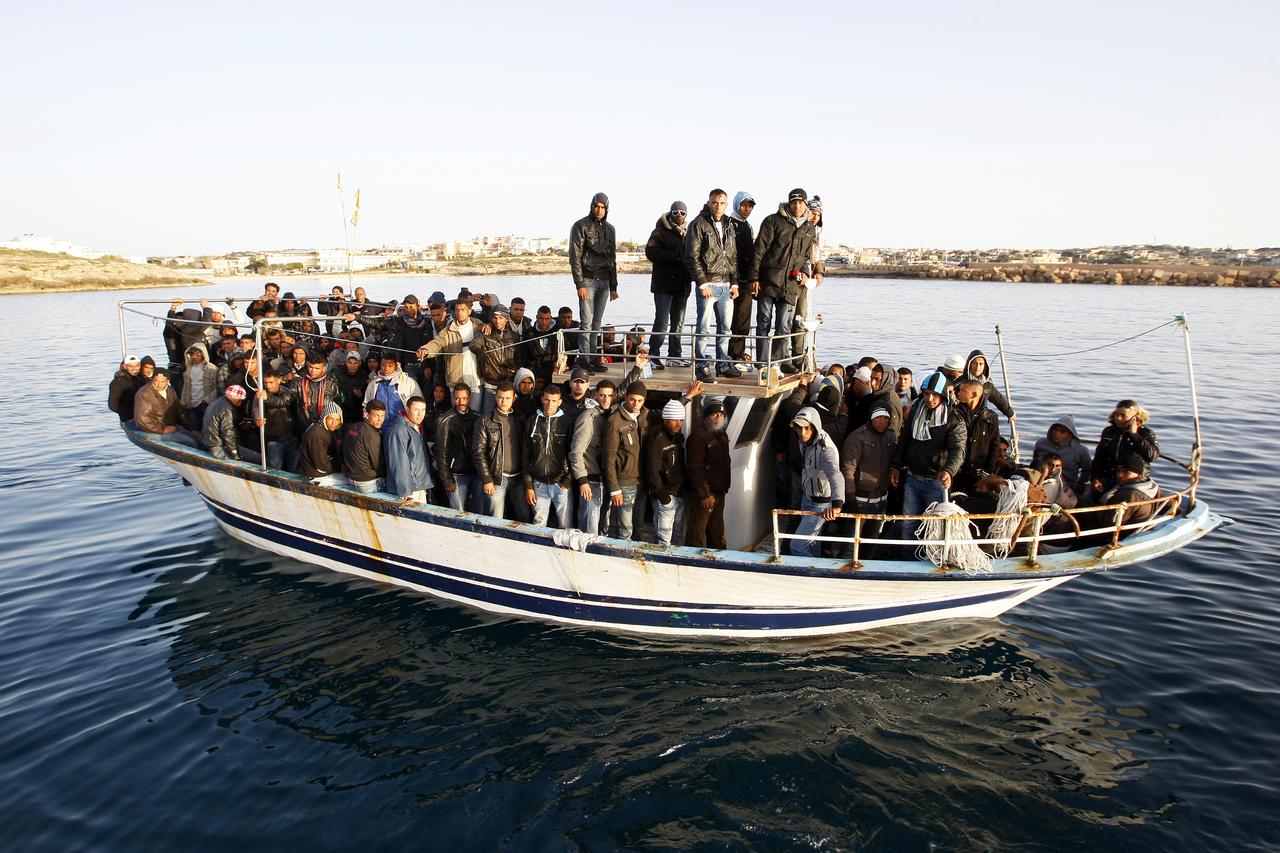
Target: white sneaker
{"x":740,"y":368}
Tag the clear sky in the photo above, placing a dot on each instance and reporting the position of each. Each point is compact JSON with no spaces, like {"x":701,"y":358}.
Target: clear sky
{"x":163,"y":128}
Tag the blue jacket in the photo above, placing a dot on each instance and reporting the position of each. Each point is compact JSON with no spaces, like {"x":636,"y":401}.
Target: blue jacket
{"x":408,"y":468}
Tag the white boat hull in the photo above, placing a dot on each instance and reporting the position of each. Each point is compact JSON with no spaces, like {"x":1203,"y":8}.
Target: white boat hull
{"x":517,"y":569}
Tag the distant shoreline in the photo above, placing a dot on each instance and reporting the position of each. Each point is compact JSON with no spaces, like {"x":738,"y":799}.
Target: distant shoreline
{"x":24,"y":273}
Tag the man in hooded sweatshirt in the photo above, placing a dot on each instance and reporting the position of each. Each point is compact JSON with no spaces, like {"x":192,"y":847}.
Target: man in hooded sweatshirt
{"x":1062,"y":439}
{"x":392,"y":387}
{"x":593,"y":261}
{"x":978,"y":369}
{"x":930,"y":451}
{"x":740,"y":326}
{"x":320,"y":459}
{"x":669,"y":282}
{"x":821,"y":483}
{"x":778,"y":264}
{"x":199,"y":385}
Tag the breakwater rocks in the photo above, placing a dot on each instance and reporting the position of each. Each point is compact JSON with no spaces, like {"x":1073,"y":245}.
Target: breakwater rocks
{"x":1076,"y":274}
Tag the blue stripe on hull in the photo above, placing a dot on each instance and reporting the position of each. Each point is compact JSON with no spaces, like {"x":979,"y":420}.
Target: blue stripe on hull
{"x":583,"y":610}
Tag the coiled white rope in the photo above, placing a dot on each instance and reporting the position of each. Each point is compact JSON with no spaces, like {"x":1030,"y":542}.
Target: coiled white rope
{"x":947,"y":538}
{"x":1012,"y":500}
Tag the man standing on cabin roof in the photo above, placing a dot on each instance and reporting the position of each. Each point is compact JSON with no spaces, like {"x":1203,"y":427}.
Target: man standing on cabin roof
{"x":593,"y":261}
{"x":711,"y":251}
{"x":668,"y":282}
{"x":741,"y":325}
{"x":778,"y":263}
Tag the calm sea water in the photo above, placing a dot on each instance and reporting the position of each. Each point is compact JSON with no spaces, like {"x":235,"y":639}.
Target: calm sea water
{"x":164,"y":687}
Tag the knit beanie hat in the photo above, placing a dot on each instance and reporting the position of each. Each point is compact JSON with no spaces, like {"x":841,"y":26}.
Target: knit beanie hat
{"x":936,"y":382}
{"x":673,"y":411}
{"x":331,"y":408}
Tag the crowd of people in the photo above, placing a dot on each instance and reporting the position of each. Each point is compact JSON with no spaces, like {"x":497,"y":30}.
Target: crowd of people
{"x":456,"y":404}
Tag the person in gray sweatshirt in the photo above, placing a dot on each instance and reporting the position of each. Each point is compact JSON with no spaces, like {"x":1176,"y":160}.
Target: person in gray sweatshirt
{"x":821,"y":483}
{"x":1061,"y":439}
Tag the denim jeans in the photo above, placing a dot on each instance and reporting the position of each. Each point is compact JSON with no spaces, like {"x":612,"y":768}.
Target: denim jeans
{"x":589,"y":511}
{"x":773,"y":317}
{"x":719,"y":304}
{"x":496,"y":504}
{"x":591,"y":317}
{"x":367,"y":487}
{"x":460,"y":498}
{"x":668,"y":521}
{"x":180,"y":436}
{"x":668,"y":316}
{"x":620,"y":517}
{"x":550,"y":495}
{"x":917,"y":494}
{"x":810,"y":525}
{"x":283,"y":455}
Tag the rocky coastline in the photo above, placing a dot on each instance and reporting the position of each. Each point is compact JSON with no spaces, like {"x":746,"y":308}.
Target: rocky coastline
{"x":1190,"y":276}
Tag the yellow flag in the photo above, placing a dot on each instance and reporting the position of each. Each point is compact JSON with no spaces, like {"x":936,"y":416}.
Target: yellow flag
{"x":355,"y":217}
{"x":357,"y":198}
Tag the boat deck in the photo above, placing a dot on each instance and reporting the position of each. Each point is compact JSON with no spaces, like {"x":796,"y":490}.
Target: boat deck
{"x":677,"y":379}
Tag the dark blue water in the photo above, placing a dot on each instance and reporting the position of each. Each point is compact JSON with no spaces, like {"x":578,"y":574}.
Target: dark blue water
{"x":165,"y":687}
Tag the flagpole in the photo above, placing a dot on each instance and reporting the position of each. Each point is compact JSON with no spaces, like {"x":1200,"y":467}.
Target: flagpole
{"x":346,"y":237}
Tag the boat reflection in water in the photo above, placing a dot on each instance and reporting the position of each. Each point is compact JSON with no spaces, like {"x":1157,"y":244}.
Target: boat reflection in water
{"x":968,"y":727}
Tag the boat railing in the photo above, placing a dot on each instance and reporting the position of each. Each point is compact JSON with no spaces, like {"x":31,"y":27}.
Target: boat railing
{"x":1030,"y":522}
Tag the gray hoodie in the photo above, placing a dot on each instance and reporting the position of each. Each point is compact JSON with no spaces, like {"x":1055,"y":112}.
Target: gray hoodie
{"x":820,"y":477}
{"x":1076,"y":459}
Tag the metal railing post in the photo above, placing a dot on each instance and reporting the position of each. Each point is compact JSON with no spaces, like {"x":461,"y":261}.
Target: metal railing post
{"x":120,"y":314}
{"x":1196,"y":451}
{"x":777,"y":553}
{"x":1033,"y":550}
{"x":857,"y":541}
{"x":262,"y":405}
{"x":1115,"y":533}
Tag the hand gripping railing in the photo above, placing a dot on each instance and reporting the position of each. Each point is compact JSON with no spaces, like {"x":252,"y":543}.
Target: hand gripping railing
{"x":1036,"y":516}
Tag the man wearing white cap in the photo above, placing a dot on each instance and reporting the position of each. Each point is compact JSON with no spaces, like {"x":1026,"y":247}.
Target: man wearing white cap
{"x":664,"y":473}
{"x":865,"y":462}
{"x":124,"y":387}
